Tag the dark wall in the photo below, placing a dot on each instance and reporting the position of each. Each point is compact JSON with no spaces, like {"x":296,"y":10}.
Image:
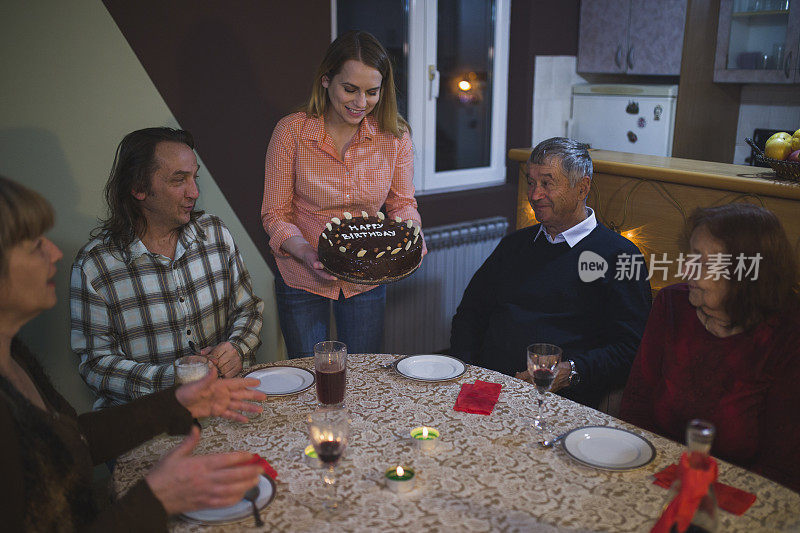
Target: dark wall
{"x":228,"y":74}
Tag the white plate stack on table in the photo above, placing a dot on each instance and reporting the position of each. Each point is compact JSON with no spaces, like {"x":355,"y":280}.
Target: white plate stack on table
{"x":237,"y":512}
{"x":430,"y":367}
{"x":282,"y":380}
{"x":608,"y":448}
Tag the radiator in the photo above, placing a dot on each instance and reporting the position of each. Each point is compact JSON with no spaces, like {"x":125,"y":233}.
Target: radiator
{"x":420,"y":308}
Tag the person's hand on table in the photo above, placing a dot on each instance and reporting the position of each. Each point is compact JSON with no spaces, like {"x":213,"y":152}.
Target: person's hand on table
{"x":300,"y":249}
{"x":183,"y":482}
{"x":225,"y":357}
{"x":220,"y":397}
{"x":563,"y":371}
{"x":524,"y":376}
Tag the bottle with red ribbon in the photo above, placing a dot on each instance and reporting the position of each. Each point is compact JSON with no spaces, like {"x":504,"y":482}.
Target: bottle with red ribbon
{"x":692,"y":505}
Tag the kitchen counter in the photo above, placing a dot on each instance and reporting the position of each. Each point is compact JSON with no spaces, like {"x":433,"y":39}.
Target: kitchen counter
{"x":740,"y":178}
{"x":648,"y":198}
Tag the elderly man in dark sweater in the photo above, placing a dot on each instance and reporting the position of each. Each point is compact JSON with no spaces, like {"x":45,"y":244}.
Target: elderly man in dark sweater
{"x":544,"y":284}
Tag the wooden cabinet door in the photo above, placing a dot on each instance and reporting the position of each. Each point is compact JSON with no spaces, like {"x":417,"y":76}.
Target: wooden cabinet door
{"x":655,"y":36}
{"x":603,"y":41}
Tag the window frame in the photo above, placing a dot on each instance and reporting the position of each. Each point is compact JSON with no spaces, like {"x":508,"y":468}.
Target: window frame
{"x":422,"y":50}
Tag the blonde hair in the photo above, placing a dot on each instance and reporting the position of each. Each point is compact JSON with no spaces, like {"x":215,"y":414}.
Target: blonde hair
{"x":364,"y":47}
{"x":24,"y":214}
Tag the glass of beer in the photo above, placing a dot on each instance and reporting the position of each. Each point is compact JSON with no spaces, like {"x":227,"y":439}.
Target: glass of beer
{"x":190,"y":368}
{"x":330,"y":367}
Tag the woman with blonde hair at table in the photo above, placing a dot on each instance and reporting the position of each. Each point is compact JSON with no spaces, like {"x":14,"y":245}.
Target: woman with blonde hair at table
{"x":727,"y":350}
{"x":47,"y":451}
{"x":348,"y":150}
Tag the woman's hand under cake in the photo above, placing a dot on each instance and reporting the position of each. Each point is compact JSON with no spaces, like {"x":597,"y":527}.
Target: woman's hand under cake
{"x":300,"y":249}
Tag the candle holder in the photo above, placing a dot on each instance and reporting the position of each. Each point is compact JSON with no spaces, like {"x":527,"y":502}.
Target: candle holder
{"x":310,"y":456}
{"x":400,"y":480}
{"x":426,"y":438}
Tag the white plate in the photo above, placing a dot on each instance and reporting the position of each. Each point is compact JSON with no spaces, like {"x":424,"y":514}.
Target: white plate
{"x":608,"y":448}
{"x":282,"y":380}
{"x":430,"y":367}
{"x":235,"y":513}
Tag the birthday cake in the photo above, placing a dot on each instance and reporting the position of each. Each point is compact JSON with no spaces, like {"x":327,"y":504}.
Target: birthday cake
{"x":370,"y":249}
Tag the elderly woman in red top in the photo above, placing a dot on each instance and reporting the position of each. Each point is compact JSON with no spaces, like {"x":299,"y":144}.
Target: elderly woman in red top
{"x":727,"y":350}
{"x":349,"y":150}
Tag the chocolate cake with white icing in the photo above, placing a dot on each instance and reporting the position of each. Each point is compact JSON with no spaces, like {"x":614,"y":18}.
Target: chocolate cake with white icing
{"x":370,"y":249}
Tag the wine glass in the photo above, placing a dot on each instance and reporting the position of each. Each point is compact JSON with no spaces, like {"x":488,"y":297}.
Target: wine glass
{"x":329,"y":431}
{"x":542,"y":361}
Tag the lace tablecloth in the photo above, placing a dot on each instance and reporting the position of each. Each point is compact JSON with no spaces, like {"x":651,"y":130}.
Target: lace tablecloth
{"x":485,"y":475}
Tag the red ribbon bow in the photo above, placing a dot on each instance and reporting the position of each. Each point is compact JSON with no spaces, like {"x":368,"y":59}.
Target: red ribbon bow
{"x":260,"y":461}
{"x":695,"y":483}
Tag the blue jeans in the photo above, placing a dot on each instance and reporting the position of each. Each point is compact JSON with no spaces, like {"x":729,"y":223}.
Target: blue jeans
{"x":305,"y":319}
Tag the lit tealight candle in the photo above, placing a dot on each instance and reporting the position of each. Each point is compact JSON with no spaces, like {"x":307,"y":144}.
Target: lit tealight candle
{"x":310,"y":456}
{"x":425,"y":437}
{"x":400,"y":479}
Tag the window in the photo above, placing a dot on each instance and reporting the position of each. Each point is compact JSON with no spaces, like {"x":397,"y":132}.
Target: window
{"x":451,"y":71}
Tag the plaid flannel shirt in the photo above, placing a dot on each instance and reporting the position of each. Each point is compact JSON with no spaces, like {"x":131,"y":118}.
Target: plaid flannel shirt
{"x":130,"y":319}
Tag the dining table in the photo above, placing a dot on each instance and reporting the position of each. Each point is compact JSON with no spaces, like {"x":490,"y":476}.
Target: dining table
{"x":486,"y":472}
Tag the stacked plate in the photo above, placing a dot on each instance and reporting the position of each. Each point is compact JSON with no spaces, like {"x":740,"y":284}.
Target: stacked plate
{"x":430,"y":367}
{"x":237,"y":512}
{"x":283,"y":380}
{"x":608,"y":448}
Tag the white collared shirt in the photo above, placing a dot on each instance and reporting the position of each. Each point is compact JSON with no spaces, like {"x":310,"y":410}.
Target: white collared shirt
{"x":573,"y":235}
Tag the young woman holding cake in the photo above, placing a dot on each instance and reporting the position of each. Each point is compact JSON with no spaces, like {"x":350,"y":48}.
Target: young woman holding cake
{"x":346,"y":154}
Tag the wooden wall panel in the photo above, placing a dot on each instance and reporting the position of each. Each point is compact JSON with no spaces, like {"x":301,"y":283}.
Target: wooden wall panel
{"x":707,"y":113}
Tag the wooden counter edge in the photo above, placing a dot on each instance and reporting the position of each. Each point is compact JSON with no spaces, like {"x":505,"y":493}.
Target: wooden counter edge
{"x":739,"y":178}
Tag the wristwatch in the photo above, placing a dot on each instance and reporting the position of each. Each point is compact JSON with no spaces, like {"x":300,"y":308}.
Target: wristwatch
{"x":574,"y":377}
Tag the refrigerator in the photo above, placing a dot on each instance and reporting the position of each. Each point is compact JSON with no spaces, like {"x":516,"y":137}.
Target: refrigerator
{"x":639,"y":119}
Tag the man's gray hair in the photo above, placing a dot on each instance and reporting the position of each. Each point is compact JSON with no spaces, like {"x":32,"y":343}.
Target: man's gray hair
{"x":573,"y":157}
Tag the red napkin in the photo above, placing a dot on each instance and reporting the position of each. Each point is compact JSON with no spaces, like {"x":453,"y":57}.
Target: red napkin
{"x":733,"y":500}
{"x":260,"y":461}
{"x":478,"y":398}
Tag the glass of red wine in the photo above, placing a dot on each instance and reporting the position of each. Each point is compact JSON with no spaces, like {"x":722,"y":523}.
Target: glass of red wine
{"x":542,"y":361}
{"x":329,"y":431}
{"x":330,"y":368}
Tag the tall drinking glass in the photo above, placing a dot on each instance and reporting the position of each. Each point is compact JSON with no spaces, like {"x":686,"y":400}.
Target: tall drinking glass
{"x":542,"y":361}
{"x":329,"y":431}
{"x":330,"y":367}
{"x":192,"y":368}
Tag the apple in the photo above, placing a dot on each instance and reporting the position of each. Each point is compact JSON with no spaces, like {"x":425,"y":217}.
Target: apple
{"x":778,"y":147}
{"x":780,"y":135}
{"x":794,"y":156}
{"x":796,"y":140}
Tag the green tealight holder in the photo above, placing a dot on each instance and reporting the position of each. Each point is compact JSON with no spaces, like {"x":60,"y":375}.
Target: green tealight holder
{"x":426,"y":438}
{"x":400,"y":479}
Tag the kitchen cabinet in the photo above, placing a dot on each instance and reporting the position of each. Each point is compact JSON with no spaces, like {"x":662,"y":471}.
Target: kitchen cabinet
{"x":631,"y":36}
{"x":757,"y":41}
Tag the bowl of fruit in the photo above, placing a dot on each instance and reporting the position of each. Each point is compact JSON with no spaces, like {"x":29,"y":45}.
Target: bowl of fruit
{"x":782,"y":153}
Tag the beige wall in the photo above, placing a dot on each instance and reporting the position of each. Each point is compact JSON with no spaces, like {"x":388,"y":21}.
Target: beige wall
{"x":70,"y":89}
